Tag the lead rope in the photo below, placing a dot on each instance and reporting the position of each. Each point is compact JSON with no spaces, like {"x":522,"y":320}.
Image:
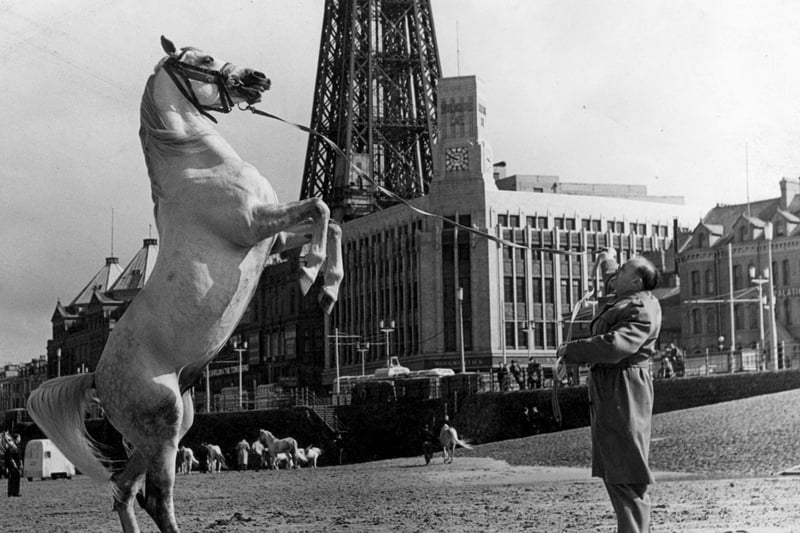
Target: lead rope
{"x":394,"y":196}
{"x":556,"y":378}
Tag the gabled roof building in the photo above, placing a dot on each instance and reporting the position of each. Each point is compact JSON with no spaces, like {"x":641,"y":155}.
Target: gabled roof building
{"x":724,"y":250}
{"x":81,"y":328}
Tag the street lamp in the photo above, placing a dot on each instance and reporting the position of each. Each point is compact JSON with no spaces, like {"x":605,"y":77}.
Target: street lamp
{"x":239,"y":347}
{"x":759,"y":281}
{"x":58,"y":355}
{"x":460,"y":296}
{"x":362,"y":349}
{"x":772,"y":326}
{"x":387,"y":328}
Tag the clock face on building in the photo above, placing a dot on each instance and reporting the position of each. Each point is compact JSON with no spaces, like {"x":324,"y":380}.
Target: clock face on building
{"x":456,"y":158}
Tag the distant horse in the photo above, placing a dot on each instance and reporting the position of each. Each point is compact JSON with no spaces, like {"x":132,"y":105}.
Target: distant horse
{"x":218,"y":220}
{"x":186,"y":460}
{"x":216,"y":460}
{"x":281,"y":460}
{"x":448,"y":438}
{"x":312,"y":453}
{"x":275,"y":446}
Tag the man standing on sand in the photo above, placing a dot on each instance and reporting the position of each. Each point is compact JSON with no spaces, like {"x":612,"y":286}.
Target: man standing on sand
{"x":623,"y":340}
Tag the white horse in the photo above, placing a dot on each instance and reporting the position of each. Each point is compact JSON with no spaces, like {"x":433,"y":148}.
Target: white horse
{"x":312,"y":453}
{"x":282,"y":460}
{"x":218,"y":220}
{"x":448,"y":438}
{"x":186,"y":460}
{"x":276,"y":446}
{"x":216,"y":460}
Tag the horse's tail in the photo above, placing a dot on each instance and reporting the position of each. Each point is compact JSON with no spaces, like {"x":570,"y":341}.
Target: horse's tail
{"x":58,"y":406}
{"x":464,"y":443}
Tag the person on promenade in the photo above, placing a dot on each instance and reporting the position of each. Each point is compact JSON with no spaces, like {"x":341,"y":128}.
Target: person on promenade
{"x":623,"y":340}
{"x":242,"y":454}
{"x":516,"y":371}
{"x":534,"y":374}
{"x":13,"y":464}
{"x":502,"y":377}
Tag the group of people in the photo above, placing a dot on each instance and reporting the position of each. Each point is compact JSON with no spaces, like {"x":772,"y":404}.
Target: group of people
{"x":532,"y":377}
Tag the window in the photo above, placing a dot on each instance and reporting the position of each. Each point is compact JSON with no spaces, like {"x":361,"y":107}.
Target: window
{"x":695,"y":282}
{"x":710,"y":320}
{"x":585,"y":223}
{"x":654,"y":230}
{"x":596,"y":225}
{"x":786,"y":272}
{"x":513,"y":221}
{"x":696,"y":325}
{"x":569,"y":223}
{"x":742,"y":233}
{"x":787,"y":311}
{"x":753,"y":313}
{"x":541,"y":223}
{"x":620,"y":226}
{"x":709,"y":281}
{"x":530,"y":221}
{"x":558,"y":222}
{"x":502,"y":220}
{"x":738,"y":318}
{"x":737,"y":276}
{"x":701,"y":240}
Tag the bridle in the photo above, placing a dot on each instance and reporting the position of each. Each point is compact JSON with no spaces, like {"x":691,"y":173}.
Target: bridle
{"x":182,"y":75}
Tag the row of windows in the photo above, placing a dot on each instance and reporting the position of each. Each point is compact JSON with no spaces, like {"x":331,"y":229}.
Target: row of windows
{"x":589,"y":224}
{"x":744,"y":317}
{"x":783,"y":276}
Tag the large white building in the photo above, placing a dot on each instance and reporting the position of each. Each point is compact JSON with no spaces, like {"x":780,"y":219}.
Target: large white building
{"x":406,"y":267}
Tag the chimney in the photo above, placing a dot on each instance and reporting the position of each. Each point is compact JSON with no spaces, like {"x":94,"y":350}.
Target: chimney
{"x":789,"y":189}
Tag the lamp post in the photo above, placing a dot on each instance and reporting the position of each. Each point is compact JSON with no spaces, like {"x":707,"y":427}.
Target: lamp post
{"x":759,"y":281}
{"x":721,"y":343}
{"x":239,"y":347}
{"x":460,"y":297}
{"x":387,"y":328}
{"x":363,"y":348}
{"x":208,"y":389}
{"x":58,"y":355}
{"x":772,"y":326}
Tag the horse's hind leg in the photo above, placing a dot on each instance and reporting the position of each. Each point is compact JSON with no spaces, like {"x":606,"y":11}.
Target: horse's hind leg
{"x":157,"y":499}
{"x":126,"y":485}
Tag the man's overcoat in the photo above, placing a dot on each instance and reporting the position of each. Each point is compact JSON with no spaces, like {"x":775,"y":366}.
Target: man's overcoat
{"x":623,"y":340}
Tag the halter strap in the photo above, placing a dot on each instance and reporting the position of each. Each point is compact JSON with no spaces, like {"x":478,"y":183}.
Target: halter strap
{"x":175,"y":67}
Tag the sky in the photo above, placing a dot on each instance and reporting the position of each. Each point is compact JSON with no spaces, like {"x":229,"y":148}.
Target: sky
{"x":689,"y":98}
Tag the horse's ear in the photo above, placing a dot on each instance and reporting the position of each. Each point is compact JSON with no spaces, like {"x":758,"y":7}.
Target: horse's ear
{"x":167,"y":45}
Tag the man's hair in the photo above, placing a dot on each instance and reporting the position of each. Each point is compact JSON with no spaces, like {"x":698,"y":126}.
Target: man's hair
{"x":648,"y":272}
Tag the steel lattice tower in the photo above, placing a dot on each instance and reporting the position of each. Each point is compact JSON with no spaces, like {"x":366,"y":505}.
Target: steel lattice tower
{"x":375,"y":97}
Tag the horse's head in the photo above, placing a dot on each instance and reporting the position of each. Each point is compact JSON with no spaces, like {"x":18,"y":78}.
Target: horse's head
{"x":7,"y":442}
{"x":211,"y":84}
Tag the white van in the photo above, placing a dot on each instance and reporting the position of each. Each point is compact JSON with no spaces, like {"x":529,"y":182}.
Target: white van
{"x":43,"y":460}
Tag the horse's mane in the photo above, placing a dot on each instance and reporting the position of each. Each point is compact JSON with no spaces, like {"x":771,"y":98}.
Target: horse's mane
{"x":159,"y":142}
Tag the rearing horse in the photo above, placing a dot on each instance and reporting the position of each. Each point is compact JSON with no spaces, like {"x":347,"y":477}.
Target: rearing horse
{"x":218,"y":220}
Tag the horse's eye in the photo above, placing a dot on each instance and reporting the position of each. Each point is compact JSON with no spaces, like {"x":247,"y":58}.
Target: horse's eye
{"x":208,"y":60}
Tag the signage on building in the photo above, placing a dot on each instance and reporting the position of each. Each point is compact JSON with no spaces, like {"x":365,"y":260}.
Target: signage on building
{"x":788,"y":291}
{"x":228,"y":370}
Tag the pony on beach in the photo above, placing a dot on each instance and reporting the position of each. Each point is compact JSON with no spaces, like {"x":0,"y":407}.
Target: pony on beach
{"x":216,"y":459}
{"x":186,"y":460}
{"x":275,"y":446}
{"x":312,"y":454}
{"x":448,"y":438}
{"x":218,"y":220}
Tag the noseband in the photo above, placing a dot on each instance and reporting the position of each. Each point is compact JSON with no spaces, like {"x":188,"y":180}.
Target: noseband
{"x":182,"y":74}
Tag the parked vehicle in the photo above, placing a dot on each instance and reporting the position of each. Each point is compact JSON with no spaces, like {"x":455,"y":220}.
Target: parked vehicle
{"x":43,"y":460}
